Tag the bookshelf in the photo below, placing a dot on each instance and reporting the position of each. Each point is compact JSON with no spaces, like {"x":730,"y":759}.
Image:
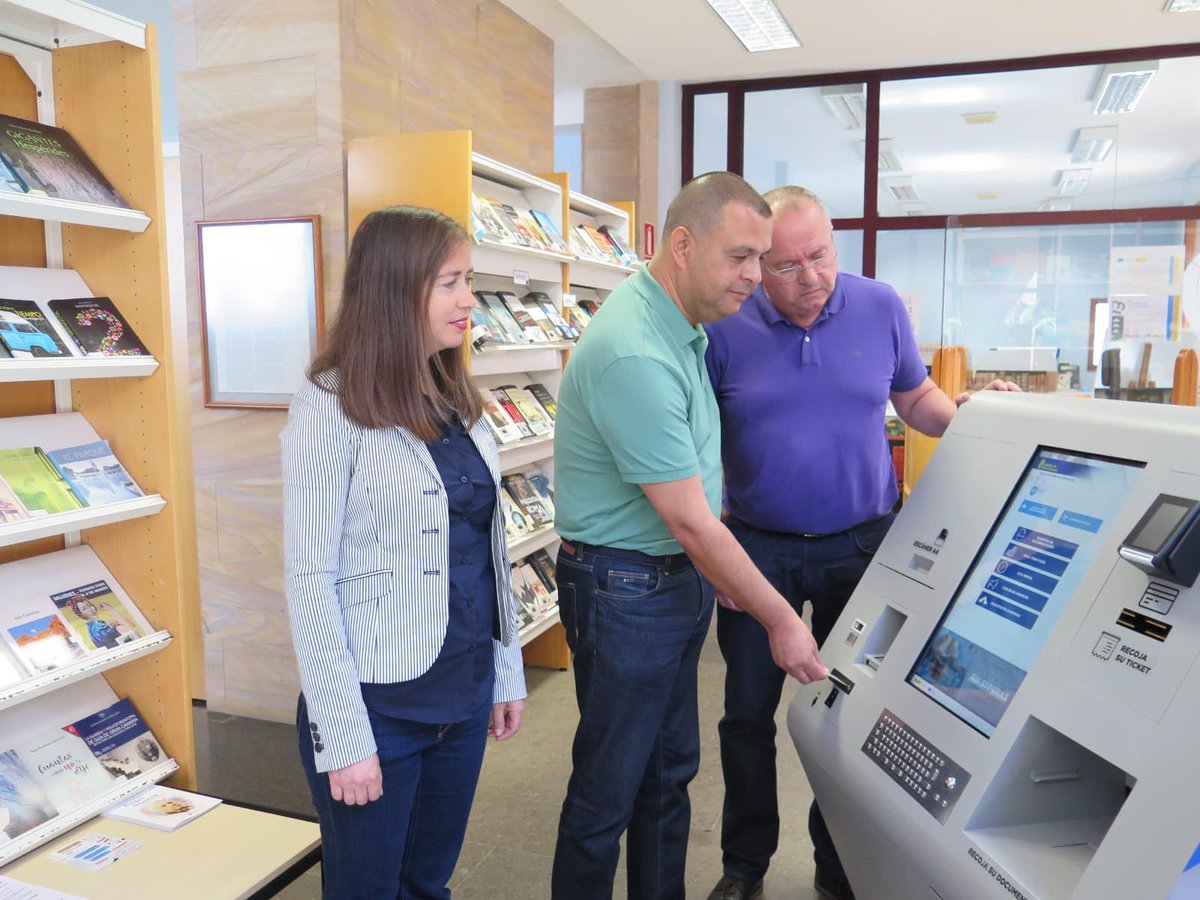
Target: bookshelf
{"x":70,"y":64}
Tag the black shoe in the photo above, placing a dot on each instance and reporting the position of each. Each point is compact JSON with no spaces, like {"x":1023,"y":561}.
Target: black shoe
{"x":832,"y":886}
{"x":730,"y":888}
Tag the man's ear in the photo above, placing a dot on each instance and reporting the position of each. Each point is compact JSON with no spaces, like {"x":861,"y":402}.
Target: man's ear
{"x":683,"y":244}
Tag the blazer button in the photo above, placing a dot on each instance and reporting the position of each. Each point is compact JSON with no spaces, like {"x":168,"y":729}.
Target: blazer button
{"x":319,"y":748}
{"x":464,"y":479}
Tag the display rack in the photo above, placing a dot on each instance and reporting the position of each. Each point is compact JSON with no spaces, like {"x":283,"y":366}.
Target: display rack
{"x":70,"y":64}
{"x":599,"y":276}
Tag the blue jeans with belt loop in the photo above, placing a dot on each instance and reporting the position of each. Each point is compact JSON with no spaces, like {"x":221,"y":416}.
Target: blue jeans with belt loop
{"x":825,"y":571}
{"x":635,"y":624}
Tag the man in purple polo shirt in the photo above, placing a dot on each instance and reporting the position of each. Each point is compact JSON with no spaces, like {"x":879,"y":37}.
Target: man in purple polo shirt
{"x":802,"y":376}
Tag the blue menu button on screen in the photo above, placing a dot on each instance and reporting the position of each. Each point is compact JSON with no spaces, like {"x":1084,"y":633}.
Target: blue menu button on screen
{"x":1080,"y":521}
{"x":1023,"y":617}
{"x":1041,"y":510}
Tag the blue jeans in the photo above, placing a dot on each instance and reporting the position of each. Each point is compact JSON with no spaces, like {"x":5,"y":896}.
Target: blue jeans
{"x":635,"y":625}
{"x":825,"y":572}
{"x":403,"y":846}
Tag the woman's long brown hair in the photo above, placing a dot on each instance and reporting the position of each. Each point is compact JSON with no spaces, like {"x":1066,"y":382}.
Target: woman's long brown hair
{"x":378,"y":345}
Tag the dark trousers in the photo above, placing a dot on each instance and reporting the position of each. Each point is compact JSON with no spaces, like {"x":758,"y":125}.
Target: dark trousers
{"x":635,"y":625}
{"x":405,"y":845}
{"x":823,"y":571}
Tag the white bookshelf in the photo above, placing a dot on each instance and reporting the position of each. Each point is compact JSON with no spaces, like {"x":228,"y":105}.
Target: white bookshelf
{"x":72,"y":212}
{"x":77,"y":520}
{"x":519,"y":454}
{"x":50,"y":24}
{"x":513,"y":359}
{"x":539,"y":539}
{"x":15,"y":370}
{"x":600,"y":275}
{"x":537,"y":628}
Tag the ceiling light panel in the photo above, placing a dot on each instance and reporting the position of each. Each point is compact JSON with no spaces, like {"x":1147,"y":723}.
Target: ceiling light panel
{"x":889,"y":160}
{"x":1071,"y":182}
{"x":848,"y":103}
{"x":1092,"y":145}
{"x":1182,"y":6}
{"x":902,"y":188}
{"x":1056,"y":204}
{"x":758,"y":24}
{"x":981,"y":118}
{"x":1122,"y":85}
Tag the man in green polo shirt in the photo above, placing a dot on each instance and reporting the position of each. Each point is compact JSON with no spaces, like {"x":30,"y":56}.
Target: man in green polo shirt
{"x":638,"y":494}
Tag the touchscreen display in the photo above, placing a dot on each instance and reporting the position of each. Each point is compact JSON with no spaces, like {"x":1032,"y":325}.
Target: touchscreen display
{"x":1044,"y":541}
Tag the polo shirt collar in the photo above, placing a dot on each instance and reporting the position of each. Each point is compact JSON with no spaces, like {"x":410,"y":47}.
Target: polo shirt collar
{"x":772,"y":316}
{"x":680,"y":330}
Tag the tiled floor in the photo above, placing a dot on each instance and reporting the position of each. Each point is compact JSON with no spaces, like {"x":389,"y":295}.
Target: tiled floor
{"x":510,"y":840}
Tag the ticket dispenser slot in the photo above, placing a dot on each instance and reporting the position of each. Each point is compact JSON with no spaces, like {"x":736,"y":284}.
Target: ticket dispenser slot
{"x":1047,"y":810}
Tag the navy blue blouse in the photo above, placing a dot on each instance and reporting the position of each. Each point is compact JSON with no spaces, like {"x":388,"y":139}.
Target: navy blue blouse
{"x":460,"y":680}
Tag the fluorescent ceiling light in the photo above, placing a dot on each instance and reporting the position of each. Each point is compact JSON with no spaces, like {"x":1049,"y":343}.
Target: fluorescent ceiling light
{"x":987,"y":195}
{"x":1121,"y":86}
{"x":758,"y":24}
{"x":888,"y":160}
{"x":1057,"y":204}
{"x":902,"y":188}
{"x":981,"y":118}
{"x":1072,"y":181}
{"x":1182,"y":6}
{"x":848,"y":102}
{"x":1092,"y":145}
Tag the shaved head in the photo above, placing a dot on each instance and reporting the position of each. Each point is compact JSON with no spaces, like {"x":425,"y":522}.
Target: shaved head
{"x":699,"y":205}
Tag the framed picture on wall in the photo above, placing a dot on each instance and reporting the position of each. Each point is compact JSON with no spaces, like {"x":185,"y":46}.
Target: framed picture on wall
{"x":261,"y":310}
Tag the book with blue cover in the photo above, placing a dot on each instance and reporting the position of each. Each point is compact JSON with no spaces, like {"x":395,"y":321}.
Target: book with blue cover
{"x":94,"y":473}
{"x":120,"y":739}
{"x":23,"y":803}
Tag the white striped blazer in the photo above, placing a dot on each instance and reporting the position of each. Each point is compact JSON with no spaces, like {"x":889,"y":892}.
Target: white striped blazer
{"x":366,"y":559}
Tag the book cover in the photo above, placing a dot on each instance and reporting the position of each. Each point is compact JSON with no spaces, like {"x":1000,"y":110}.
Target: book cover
{"x":516,"y":523}
{"x":98,"y":327}
{"x":551,"y":231}
{"x":539,"y":423}
{"x":96,"y":615}
{"x":503,"y":317}
{"x":529,"y":328}
{"x":547,"y":306}
{"x":541,"y":320}
{"x":623,"y":249}
{"x":164,"y":808}
{"x":524,"y":495}
{"x":531,"y":224}
{"x":586,"y":240}
{"x":40,"y":639}
{"x":531,"y":590}
{"x":94,"y":474}
{"x":544,"y":398}
{"x":520,"y":236}
{"x":541,"y":486}
{"x":65,"y":769}
{"x":9,"y":182}
{"x":49,"y":161}
{"x":23,"y":804}
{"x":26,"y":332}
{"x":120,"y":739}
{"x":606,"y":247}
{"x":11,"y":509}
{"x":512,"y":412}
{"x":520,"y":227}
{"x":494,"y":226}
{"x":544,"y":566}
{"x":578,"y":317}
{"x":503,"y":429}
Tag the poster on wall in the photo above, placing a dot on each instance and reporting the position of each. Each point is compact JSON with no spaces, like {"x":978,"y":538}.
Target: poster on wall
{"x":1145,"y":288}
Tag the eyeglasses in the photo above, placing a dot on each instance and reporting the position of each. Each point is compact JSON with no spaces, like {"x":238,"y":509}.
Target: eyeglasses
{"x":793,"y":267}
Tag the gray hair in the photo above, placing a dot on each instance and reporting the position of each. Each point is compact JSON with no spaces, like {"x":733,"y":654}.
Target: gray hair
{"x":790,"y":196}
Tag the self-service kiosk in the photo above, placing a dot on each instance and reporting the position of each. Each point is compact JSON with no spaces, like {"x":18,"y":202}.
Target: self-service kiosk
{"x":1014,"y":706}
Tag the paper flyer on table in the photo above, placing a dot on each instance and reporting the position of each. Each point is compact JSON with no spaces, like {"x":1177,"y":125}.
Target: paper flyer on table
{"x":94,"y":851}
{"x":11,"y":889}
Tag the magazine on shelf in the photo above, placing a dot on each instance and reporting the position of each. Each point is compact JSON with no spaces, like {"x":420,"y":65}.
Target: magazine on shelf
{"x":23,"y":803}
{"x":485,"y":330}
{"x":614,"y":235}
{"x":164,"y":808}
{"x":520,"y":236}
{"x":512,"y":412}
{"x":94,"y":473}
{"x":541,"y":319}
{"x":526,"y":498}
{"x":531,"y":590}
{"x":495,"y":226}
{"x":544,"y":566}
{"x":541,"y":486}
{"x":98,"y":327}
{"x":544,"y":398}
{"x":97,"y":616}
{"x":539,"y":423}
{"x":27,"y":332}
{"x":532,"y":332}
{"x":535,"y":228}
{"x":120,"y":739}
{"x":546,"y":305}
{"x":11,"y":509}
{"x":49,"y":162}
{"x":503,"y":429}
{"x":39,"y":637}
{"x":65,"y":769}
{"x":516,"y":522}
{"x":521,"y":227}
{"x":606,"y":245}
{"x":503,"y":317}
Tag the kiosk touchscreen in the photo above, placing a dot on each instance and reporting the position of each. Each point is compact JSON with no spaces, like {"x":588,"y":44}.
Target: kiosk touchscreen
{"x":1014,"y":707}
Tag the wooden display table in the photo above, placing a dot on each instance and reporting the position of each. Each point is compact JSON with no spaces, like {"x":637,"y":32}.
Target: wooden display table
{"x":231,"y":852}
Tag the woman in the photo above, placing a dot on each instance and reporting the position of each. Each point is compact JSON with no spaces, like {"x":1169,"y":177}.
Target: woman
{"x":398,"y":580}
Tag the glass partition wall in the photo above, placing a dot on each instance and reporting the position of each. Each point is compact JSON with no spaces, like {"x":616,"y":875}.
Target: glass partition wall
{"x":1037,"y":213}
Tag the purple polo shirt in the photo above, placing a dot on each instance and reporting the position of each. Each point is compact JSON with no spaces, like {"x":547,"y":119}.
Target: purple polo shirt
{"x":802,"y":410}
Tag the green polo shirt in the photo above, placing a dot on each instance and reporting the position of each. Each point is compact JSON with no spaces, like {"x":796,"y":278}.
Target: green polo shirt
{"x":635,"y":407}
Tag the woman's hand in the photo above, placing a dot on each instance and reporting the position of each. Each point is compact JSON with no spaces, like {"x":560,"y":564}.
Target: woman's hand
{"x":506,"y":719}
{"x":359,"y":783}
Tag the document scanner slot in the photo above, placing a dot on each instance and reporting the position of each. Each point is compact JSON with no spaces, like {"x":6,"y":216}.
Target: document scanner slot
{"x":879,"y":641}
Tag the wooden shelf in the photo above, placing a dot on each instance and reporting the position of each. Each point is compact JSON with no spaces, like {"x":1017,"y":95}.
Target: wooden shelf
{"x":50,"y":24}
{"x":84,"y":668}
{"x":87,"y":367}
{"x":77,"y":520}
{"x":534,"y":630}
{"x":521,"y":453}
{"x":532,"y":542}
{"x":51,"y":209}
{"x":35,"y":837}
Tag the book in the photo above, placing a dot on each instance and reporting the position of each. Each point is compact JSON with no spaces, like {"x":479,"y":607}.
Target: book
{"x":65,"y":769}
{"x":531,"y":591}
{"x":558,"y":244}
{"x":544,"y":566}
{"x":530,"y":329}
{"x":94,"y":474}
{"x":519,"y":226}
{"x":516,"y":523}
{"x":541,"y":319}
{"x":50,"y":162}
{"x":502,"y":315}
{"x":546,"y":305}
{"x":512,"y":412}
{"x":485,"y":329}
{"x":516,"y":235}
{"x":578,"y":317}
{"x":628,"y":256}
{"x":526,"y":498}
{"x":39,"y":637}
{"x":539,"y":423}
{"x":10,"y":183}
{"x":96,"y":615}
{"x":544,"y":399}
{"x":23,"y":804}
{"x":608,"y":250}
{"x":97,"y":327}
{"x":494,"y":226}
{"x":541,"y":486}
{"x":164,"y":808}
{"x":11,"y":509}
{"x":531,"y":224}
{"x":26,"y":332}
{"x":503,"y":429}
{"x":120,"y":739}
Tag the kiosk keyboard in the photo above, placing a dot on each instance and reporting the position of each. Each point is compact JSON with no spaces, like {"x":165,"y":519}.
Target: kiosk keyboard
{"x":928,"y":776}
